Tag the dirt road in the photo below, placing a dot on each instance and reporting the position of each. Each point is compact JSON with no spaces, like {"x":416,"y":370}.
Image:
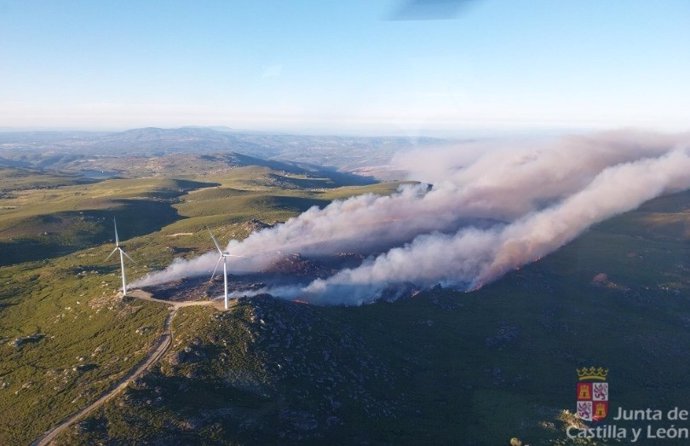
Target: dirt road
{"x":161,"y":347}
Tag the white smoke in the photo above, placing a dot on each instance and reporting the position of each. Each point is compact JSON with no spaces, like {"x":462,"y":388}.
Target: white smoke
{"x":492,"y":208}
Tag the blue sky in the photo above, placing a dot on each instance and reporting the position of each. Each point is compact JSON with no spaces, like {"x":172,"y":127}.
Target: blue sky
{"x":341,"y":66}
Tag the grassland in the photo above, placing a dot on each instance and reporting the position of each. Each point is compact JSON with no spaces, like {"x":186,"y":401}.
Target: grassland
{"x":15,"y":179}
{"x":85,"y":339}
{"x":441,"y":368}
{"x":45,"y":222}
{"x":65,"y":337}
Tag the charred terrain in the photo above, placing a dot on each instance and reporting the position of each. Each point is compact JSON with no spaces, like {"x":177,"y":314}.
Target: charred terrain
{"x":436,"y":366}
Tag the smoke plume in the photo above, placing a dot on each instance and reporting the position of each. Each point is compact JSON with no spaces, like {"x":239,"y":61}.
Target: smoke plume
{"x":488,"y":208}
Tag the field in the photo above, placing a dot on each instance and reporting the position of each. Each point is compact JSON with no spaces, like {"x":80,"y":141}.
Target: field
{"x":443,"y":367}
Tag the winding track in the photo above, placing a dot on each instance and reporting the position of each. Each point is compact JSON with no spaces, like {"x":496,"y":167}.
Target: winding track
{"x":161,"y":347}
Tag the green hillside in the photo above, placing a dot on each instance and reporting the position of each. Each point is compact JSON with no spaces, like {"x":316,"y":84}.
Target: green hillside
{"x":65,"y":337}
{"x":38,"y":223}
{"x":443,"y":367}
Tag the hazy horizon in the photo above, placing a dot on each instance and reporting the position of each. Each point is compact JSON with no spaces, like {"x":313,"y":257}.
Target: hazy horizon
{"x":372,"y":133}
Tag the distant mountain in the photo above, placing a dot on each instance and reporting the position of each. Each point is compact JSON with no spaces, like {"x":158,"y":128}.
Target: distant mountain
{"x":341,"y":152}
{"x":102,"y":166}
{"x":153,"y":140}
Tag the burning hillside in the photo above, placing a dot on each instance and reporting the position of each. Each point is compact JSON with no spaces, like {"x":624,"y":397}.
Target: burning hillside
{"x":289,"y":270}
{"x":538,"y":198}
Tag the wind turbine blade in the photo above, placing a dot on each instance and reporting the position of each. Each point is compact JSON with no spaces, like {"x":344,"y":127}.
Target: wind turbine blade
{"x":117,"y":238}
{"x":216,"y":268}
{"x":215,"y":242}
{"x":127,"y":255}
{"x":111,"y":254}
{"x":232,"y":255}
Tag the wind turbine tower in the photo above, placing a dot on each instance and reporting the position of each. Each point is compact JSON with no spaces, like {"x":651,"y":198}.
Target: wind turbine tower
{"x":123,"y":254}
{"x":223,"y":255}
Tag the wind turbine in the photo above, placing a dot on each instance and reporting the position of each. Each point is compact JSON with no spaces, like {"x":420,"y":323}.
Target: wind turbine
{"x":123,"y":254}
{"x":223,"y":256}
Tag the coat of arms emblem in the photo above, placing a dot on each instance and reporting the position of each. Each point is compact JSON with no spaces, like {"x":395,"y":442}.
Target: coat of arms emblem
{"x":592,"y":393}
